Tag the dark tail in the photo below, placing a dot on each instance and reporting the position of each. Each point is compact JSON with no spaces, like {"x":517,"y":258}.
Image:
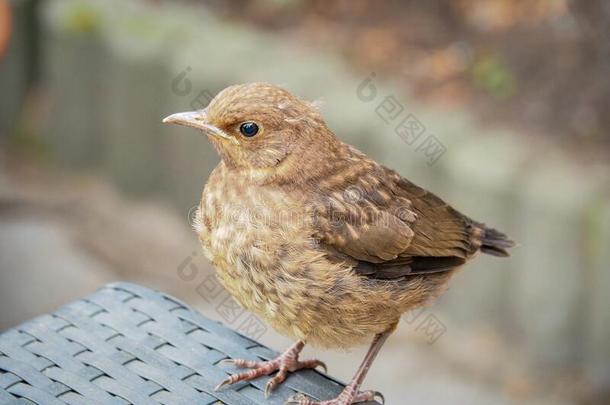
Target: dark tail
{"x":495,"y":242}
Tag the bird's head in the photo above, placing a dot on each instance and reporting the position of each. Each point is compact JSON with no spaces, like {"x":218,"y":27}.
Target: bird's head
{"x":256,"y":125}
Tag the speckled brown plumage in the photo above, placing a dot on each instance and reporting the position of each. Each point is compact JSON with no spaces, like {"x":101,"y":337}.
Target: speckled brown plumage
{"x":310,"y":234}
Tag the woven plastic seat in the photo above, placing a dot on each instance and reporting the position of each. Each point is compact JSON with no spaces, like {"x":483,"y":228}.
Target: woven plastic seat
{"x":127,"y":344}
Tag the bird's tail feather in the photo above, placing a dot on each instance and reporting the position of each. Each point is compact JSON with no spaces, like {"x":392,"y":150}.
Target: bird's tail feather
{"x":495,"y":242}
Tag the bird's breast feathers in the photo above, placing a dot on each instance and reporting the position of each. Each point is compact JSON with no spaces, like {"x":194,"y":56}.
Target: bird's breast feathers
{"x":266,"y":257}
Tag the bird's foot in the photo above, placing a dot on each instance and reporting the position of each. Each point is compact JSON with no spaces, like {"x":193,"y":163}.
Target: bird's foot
{"x":348,"y":396}
{"x":283,"y":364}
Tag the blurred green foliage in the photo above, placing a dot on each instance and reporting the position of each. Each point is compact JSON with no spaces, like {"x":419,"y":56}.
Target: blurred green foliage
{"x":492,"y":75}
{"x":82,"y":18}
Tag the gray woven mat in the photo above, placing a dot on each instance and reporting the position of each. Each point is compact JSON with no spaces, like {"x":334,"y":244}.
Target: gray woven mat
{"x":128,"y":344}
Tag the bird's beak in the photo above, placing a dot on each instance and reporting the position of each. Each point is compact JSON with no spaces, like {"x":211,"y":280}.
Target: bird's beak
{"x":197,"y":119}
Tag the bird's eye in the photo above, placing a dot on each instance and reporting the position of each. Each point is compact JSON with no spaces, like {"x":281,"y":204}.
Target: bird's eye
{"x":248,"y":129}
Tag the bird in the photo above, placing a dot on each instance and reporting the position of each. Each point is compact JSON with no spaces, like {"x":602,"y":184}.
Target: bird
{"x":326,"y":245}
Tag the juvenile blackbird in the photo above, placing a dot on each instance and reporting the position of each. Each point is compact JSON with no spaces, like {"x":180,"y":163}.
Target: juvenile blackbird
{"x":307,"y":232}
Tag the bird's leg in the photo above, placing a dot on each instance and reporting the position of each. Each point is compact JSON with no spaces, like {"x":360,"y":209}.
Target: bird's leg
{"x":284,"y":363}
{"x":350,"y":394}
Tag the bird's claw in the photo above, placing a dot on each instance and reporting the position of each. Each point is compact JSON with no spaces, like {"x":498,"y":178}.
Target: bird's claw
{"x":274,"y":382}
{"x":321,"y":364}
{"x":222,"y":384}
{"x":377,"y":394}
{"x":297,"y":399}
{"x":364,"y":396}
{"x":283,"y":364}
{"x":241,"y":363}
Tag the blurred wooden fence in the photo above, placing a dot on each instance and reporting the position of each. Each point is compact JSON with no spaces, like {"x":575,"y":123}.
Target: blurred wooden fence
{"x":113,"y":70}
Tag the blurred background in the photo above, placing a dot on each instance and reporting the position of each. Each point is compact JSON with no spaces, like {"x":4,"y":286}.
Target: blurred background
{"x":514,"y":94}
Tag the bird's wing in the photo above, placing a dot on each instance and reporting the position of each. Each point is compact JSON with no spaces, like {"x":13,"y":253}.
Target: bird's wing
{"x":390,"y":227}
